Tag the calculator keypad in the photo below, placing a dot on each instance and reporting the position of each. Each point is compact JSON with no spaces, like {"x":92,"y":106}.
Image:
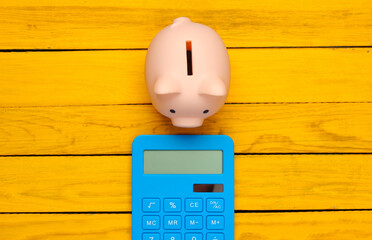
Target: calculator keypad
{"x":183,"y":219}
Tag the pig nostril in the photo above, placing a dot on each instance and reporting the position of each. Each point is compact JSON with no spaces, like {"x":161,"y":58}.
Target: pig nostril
{"x":206,"y":111}
{"x":172,"y":111}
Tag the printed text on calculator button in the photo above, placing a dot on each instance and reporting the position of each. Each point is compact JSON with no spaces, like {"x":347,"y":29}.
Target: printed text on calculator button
{"x":215,"y":205}
{"x":172,"y":205}
{"x":172,"y":222}
{"x":150,"y":222}
{"x":215,"y":222}
{"x":194,"y":205}
{"x":172,"y":236}
{"x":194,"y":236}
{"x":151,"y":205}
{"x":151,"y":236}
{"x":194,"y":222}
{"x":215,"y":236}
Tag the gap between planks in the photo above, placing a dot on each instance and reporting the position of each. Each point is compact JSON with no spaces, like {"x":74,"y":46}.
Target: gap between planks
{"x":236,"y":154}
{"x":145,"y":49}
{"x":236,"y":211}
{"x":150,"y":104}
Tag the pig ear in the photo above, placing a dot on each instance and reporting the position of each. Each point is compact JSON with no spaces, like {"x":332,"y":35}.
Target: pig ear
{"x":166,"y":85}
{"x":213,"y":86}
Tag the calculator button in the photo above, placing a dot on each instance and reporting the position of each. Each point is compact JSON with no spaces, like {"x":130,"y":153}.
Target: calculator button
{"x":215,"y":222}
{"x":194,"y":222}
{"x":150,"y":222}
{"x":172,"y":236}
{"x":194,"y":205}
{"x":172,"y":222}
{"x":151,"y":236}
{"x":193,"y":236}
{"x":215,"y":205}
{"x":150,"y":205}
{"x":172,"y":205}
{"x":215,"y":236}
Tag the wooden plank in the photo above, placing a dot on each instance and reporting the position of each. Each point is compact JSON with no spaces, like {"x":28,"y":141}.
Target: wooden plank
{"x":255,"y":128}
{"x":297,"y":182}
{"x":65,"y":227}
{"x":271,"y":226}
{"x":298,"y":226}
{"x":117,"y":77}
{"x":125,"y":24}
{"x":267,"y":182}
{"x":58,"y":184}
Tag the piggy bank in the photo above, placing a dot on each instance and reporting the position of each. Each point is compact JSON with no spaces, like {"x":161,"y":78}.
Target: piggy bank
{"x":187,"y":72}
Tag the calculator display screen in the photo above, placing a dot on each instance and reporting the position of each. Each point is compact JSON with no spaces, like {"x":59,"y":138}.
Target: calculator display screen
{"x":182,"y":162}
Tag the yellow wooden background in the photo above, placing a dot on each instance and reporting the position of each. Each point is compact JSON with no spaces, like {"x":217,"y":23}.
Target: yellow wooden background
{"x":72,"y":99}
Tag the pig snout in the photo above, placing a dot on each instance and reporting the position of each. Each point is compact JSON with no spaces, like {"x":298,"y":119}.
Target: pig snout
{"x":187,"y":122}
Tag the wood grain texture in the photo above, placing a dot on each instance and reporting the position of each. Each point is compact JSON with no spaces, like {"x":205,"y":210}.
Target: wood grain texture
{"x":117,"y":77}
{"x":125,"y":24}
{"x":255,"y":128}
{"x":267,"y":182}
{"x":59,"y":184}
{"x":66,"y":227}
{"x":277,"y":226}
{"x":309,"y":226}
{"x":77,"y":103}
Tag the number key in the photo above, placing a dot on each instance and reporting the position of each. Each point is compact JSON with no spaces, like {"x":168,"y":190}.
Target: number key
{"x":172,"y":236}
{"x":194,"y":236}
{"x":151,"y":236}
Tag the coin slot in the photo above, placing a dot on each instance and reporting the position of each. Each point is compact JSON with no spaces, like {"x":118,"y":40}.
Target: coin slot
{"x":189,"y":57}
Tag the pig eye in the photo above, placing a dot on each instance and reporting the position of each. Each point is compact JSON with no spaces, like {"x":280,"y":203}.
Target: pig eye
{"x":172,"y":111}
{"x":206,"y":111}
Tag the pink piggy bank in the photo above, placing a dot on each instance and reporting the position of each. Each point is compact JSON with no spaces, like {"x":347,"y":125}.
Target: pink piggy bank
{"x":187,"y":72}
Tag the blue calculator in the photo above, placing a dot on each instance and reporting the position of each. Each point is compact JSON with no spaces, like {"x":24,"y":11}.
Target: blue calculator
{"x":183,"y":187}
